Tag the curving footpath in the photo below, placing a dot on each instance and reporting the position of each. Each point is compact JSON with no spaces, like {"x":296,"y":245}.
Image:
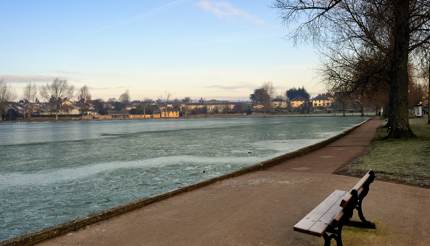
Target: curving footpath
{"x":260,"y":208}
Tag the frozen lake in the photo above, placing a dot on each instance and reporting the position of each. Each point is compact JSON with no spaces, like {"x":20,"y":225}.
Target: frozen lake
{"x":51,"y":173}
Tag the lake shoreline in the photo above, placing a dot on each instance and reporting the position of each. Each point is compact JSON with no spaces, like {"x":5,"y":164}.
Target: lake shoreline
{"x":211,"y":116}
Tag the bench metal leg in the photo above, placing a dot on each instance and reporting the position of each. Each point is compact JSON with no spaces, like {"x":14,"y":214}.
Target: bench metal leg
{"x":327,"y":239}
{"x":358,"y":206}
{"x":365,"y":222}
{"x":339,"y":237}
{"x":334,"y":233}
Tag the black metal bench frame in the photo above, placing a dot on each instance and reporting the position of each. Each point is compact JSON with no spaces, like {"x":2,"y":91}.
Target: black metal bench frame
{"x":355,"y":202}
{"x":352,"y":201}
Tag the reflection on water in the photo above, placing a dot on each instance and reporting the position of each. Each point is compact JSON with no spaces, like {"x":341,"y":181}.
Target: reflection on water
{"x":51,"y":173}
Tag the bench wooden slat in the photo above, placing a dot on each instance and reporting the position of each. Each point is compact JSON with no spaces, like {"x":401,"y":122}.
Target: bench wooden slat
{"x":361,"y":182}
{"x":317,"y":221}
{"x":326,"y":220}
{"x":328,"y":216}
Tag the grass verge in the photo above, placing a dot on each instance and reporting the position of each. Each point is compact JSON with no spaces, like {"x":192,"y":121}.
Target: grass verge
{"x":403,"y":161}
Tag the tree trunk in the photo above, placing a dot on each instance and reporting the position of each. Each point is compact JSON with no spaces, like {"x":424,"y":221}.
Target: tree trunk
{"x":398,"y":121}
{"x":343,"y":109}
{"x":428,"y":97}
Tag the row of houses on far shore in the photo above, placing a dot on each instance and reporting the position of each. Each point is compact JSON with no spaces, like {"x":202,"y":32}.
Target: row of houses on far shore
{"x":320,"y":102}
{"x":105,"y":110}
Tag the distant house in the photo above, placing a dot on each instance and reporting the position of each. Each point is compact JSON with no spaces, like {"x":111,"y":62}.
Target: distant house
{"x":209,"y":107}
{"x":49,"y":109}
{"x":69,"y":108}
{"x":166,"y":108}
{"x":418,"y":110}
{"x":13,"y":112}
{"x":123,"y":114}
{"x":279,"y":103}
{"x":169,"y":114}
{"x":322,"y":101}
{"x":298,"y":102}
{"x":258,"y":107}
{"x":214,"y":106}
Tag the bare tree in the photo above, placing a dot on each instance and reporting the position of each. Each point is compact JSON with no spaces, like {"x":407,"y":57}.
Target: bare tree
{"x":29,"y":98}
{"x":425,"y":73}
{"x":363,"y":78}
{"x":6,"y":95}
{"x":166,"y":103}
{"x":5,"y":92}
{"x":30,"y":92}
{"x":56,"y":93}
{"x":396,"y":28}
{"x":84,"y":98}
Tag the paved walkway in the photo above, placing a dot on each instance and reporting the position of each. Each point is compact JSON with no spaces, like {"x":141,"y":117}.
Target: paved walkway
{"x":260,"y":208}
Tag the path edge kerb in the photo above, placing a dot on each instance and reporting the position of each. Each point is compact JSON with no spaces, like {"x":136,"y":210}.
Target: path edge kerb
{"x":74,"y":225}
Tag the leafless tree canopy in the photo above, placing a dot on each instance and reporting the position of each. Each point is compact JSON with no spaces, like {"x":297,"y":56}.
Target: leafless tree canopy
{"x":354,"y":23}
{"x":30,"y":93}
{"x":351,"y":26}
{"x":29,"y":97}
{"x":84,"y":98}
{"x":84,"y":94}
{"x":56,"y":93}
{"x":352,"y":32}
{"x":58,"y":90}
{"x":6,"y":93}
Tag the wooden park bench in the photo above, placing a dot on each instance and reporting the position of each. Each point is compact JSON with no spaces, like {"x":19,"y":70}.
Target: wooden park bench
{"x":327,"y":219}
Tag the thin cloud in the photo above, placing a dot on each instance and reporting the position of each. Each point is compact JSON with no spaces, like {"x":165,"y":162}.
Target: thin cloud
{"x":145,"y":13}
{"x":223,"y":8}
{"x":108,"y":88}
{"x":21,"y":79}
{"x":66,"y":72}
{"x":26,"y":78}
{"x":231,"y":87}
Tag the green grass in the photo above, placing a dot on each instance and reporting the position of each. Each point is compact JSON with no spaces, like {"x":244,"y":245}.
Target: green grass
{"x":405,"y":161}
{"x":361,"y":236}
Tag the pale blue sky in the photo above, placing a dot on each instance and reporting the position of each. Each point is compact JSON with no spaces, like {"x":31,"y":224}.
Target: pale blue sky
{"x":199,"y":48}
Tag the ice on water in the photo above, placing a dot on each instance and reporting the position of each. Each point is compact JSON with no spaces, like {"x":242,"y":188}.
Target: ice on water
{"x":54,"y":172}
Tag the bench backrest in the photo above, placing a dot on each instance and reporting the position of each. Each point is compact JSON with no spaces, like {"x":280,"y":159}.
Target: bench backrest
{"x":360,"y":188}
